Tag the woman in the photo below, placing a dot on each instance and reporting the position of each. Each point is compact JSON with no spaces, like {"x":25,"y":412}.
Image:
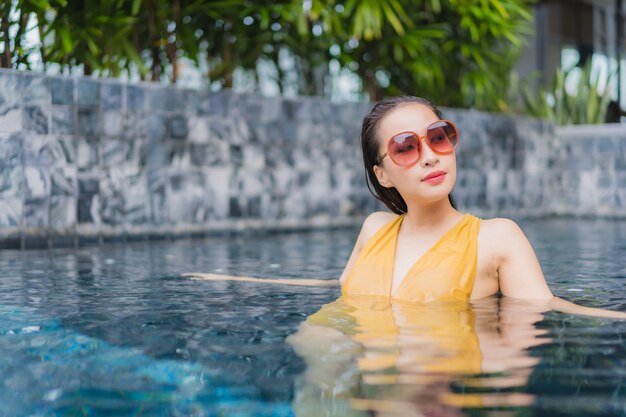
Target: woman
{"x":425,"y":249}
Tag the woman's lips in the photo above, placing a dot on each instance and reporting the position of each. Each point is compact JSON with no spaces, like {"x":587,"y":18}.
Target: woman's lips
{"x":435,"y":177}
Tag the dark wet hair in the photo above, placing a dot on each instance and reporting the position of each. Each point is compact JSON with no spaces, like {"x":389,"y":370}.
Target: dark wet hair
{"x":369,"y":145}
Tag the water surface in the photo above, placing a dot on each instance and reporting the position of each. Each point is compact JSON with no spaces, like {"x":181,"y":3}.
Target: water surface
{"x":114,"y":330}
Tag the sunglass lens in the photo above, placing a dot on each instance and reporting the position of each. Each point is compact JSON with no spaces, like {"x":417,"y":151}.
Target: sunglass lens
{"x":404,"y":149}
{"x":442,"y":137}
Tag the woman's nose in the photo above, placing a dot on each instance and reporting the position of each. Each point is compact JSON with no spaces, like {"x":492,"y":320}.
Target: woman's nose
{"x":429,"y":157}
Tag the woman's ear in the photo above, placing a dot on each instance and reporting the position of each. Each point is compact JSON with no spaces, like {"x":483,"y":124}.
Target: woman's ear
{"x":382,"y":177}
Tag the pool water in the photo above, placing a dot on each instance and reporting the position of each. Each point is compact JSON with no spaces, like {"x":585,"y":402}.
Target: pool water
{"x":115,"y":330}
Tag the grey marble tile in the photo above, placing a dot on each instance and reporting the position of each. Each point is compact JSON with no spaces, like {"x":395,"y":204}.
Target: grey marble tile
{"x":61,"y":151}
{"x":63,"y":120}
{"x":112,"y":123}
{"x":88,"y":209}
{"x":121,"y":152}
{"x":88,"y":122}
{"x":36,"y":119}
{"x":62,"y":91}
{"x":88,"y":185}
{"x":158,"y":126}
{"x":10,"y":118}
{"x":11,"y":210}
{"x":204,"y":102}
{"x":11,"y":181}
{"x":112,"y":196}
{"x":63,"y":211}
{"x":160,"y":99}
{"x":179,"y":156}
{"x":156,"y":154}
{"x":198,"y":129}
{"x":135,"y":98}
{"x":37,"y":182}
{"x":36,"y":213}
{"x":111,"y":96}
{"x":10,"y":149}
{"x":179,"y":128}
{"x":87,"y":155}
{"x":10,"y":89}
{"x":188,"y":199}
{"x":63,"y":181}
{"x":136,"y":211}
{"x":35,"y":149}
{"x":88,"y":93}
{"x":37,"y":90}
{"x":157,"y":180}
{"x":135,"y":125}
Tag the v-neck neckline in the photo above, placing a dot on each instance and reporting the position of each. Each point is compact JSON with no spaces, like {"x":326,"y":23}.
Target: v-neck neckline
{"x":392,"y":293}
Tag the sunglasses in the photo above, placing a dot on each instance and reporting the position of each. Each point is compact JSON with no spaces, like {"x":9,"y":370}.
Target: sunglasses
{"x":405,"y":148}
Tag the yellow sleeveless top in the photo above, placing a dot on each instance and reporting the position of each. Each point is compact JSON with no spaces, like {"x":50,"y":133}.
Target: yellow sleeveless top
{"x":445,"y":272}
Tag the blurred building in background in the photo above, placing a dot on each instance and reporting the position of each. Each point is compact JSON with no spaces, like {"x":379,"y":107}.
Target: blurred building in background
{"x":569,"y":33}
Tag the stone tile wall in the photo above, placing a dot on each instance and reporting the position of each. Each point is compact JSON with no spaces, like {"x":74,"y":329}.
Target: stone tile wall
{"x":84,"y":160}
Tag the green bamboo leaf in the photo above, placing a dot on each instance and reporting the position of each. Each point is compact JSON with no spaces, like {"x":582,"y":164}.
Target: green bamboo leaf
{"x":393,"y":19}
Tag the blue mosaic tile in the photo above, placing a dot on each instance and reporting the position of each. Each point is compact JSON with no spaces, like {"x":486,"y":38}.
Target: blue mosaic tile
{"x":11,"y":210}
{"x":36,"y":119}
{"x":63,"y":181}
{"x":111,"y":96}
{"x":62,"y":91}
{"x":37,"y":182}
{"x":135,"y":98}
{"x":36,"y":213}
{"x":63,"y":120}
{"x":37,"y":90}
{"x":88,"y":122}
{"x":10,"y":150}
{"x":88,"y":93}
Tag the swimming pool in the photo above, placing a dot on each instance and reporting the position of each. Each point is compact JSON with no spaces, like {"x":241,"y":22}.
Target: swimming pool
{"x":114,"y":330}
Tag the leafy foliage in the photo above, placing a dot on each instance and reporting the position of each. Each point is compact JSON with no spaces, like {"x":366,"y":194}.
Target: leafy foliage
{"x":586,"y":104}
{"x":458,"y":52}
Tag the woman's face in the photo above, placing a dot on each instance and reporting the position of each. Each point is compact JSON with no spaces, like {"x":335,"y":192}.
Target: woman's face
{"x":411,"y":182}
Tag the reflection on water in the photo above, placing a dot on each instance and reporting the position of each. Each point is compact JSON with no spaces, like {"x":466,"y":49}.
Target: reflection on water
{"x":365,"y":355}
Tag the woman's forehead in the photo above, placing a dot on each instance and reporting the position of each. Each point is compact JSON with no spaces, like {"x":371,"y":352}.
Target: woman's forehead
{"x":412,"y":117}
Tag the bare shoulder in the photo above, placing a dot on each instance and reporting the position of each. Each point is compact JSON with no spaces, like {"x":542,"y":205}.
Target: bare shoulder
{"x":499,"y":227}
{"x":374,"y":222}
{"x":500,"y":235}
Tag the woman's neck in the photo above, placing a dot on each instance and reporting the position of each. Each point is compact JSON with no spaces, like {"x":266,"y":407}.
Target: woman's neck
{"x":423,"y":216}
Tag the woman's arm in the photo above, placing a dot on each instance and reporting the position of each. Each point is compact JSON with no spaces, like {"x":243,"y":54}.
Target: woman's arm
{"x":198,"y":276}
{"x":520,"y":275}
{"x":373,"y":222}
